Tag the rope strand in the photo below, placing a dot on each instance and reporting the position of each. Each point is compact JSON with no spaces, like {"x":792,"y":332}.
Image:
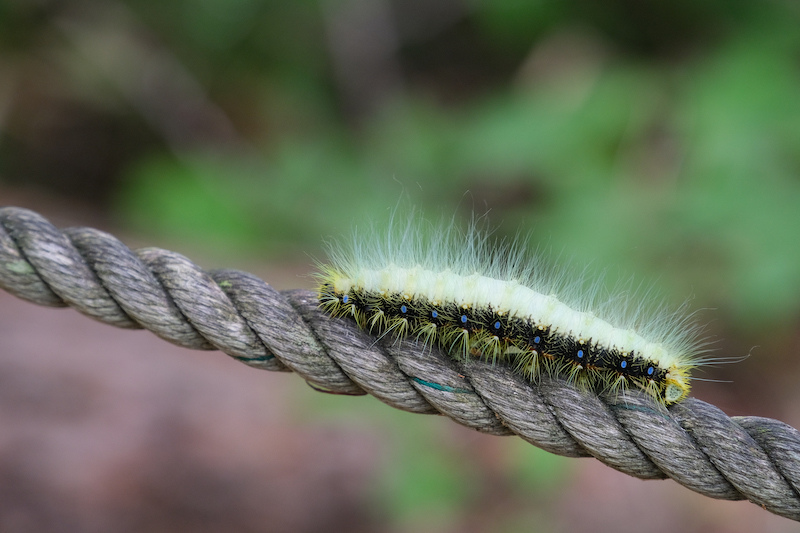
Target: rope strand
{"x":692,"y":442}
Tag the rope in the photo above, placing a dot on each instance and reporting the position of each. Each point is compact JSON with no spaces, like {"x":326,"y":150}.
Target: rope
{"x":692,"y":442}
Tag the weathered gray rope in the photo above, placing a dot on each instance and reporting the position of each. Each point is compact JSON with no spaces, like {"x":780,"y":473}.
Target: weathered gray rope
{"x":692,"y":442}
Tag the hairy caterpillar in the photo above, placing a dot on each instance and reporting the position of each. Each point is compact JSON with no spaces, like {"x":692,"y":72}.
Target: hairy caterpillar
{"x":453,"y":288}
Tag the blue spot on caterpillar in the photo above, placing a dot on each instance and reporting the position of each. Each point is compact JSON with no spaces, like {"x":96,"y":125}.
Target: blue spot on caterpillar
{"x":455,"y":291}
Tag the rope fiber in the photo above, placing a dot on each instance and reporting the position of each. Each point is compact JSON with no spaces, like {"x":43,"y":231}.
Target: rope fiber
{"x":692,"y":442}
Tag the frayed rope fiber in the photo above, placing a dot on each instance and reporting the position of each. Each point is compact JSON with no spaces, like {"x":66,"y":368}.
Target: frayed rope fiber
{"x":692,"y":442}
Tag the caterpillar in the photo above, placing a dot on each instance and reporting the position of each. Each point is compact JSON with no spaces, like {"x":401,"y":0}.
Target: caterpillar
{"x":473,"y":297}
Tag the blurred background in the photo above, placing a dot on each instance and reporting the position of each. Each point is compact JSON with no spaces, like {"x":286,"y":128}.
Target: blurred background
{"x":655,"y":140}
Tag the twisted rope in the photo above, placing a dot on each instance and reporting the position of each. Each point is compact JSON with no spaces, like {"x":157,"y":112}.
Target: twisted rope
{"x":692,"y":442}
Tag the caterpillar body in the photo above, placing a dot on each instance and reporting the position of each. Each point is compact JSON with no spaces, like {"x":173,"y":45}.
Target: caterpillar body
{"x":453,"y":289}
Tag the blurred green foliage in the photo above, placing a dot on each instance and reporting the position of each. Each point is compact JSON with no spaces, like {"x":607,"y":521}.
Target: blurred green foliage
{"x":664,"y":137}
{"x":694,"y":163}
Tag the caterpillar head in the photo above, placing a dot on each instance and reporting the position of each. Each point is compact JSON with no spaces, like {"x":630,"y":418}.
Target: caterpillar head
{"x":677,"y":386}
